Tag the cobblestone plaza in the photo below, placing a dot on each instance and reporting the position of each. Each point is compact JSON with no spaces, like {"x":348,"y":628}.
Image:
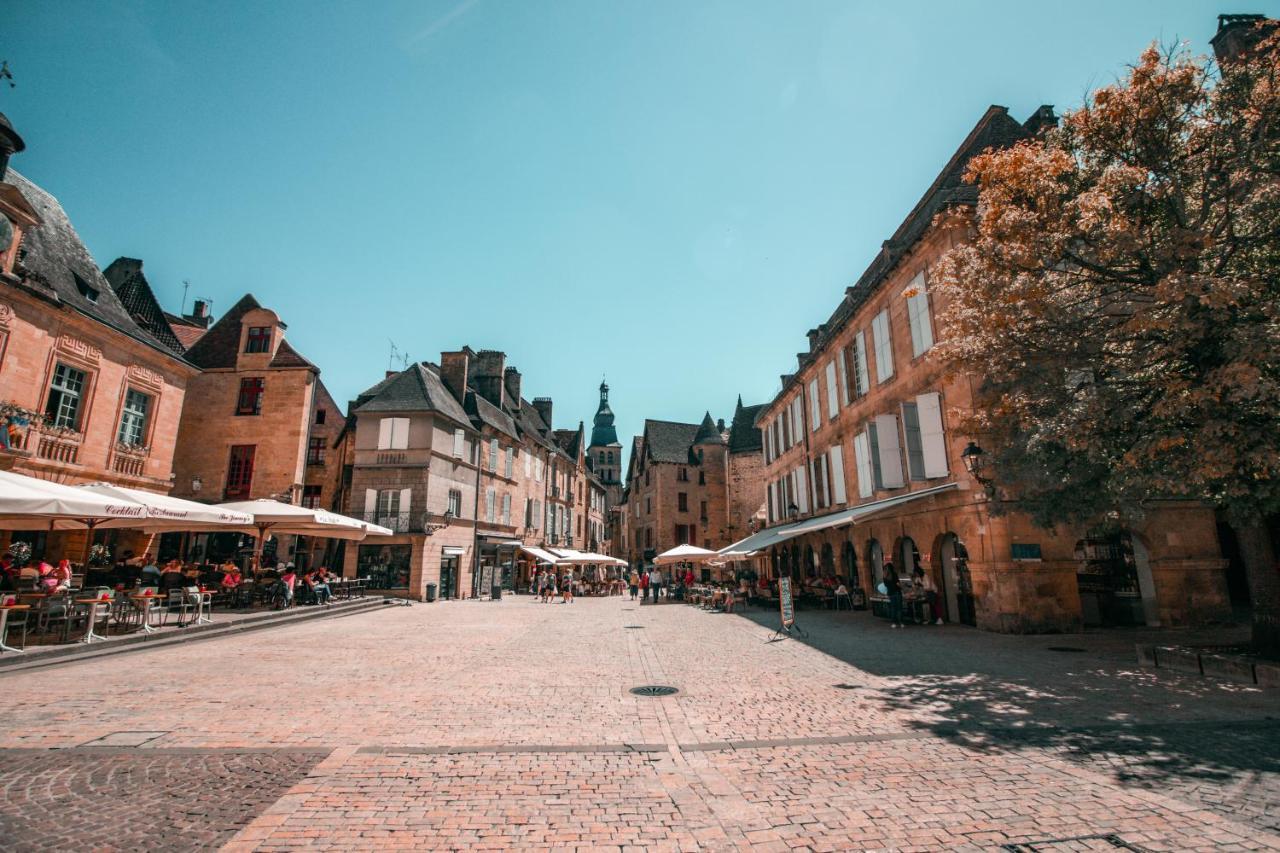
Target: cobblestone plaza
{"x":511,"y":724}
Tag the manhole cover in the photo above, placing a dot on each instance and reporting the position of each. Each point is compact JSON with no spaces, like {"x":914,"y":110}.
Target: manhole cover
{"x":1065,"y":649}
{"x":1075,"y":844}
{"x":654,"y":690}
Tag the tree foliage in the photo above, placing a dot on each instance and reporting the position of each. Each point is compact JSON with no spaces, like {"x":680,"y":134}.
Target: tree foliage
{"x":1119,"y":299}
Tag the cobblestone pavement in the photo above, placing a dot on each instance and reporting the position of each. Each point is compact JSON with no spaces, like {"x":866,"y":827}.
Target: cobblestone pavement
{"x":500,"y":724}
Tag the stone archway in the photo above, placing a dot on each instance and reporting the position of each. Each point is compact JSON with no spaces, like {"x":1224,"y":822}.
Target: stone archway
{"x":849,"y":564}
{"x":1113,"y":575}
{"x":875,"y":561}
{"x":956,"y":587}
{"x":828,"y":559}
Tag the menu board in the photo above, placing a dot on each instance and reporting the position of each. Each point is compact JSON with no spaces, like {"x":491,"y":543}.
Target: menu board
{"x":785,"y":602}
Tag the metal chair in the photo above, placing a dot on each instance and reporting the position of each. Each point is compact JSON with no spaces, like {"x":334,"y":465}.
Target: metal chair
{"x":181,"y":599}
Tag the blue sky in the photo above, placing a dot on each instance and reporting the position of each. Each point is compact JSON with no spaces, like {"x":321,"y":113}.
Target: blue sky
{"x":669,"y":193}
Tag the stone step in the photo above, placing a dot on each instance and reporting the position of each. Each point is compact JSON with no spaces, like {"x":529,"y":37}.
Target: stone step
{"x":75,"y":652}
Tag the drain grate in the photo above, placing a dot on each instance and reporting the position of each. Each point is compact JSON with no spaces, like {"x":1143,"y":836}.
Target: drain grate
{"x":1080,"y":843}
{"x":654,"y":690}
{"x":1065,"y":649}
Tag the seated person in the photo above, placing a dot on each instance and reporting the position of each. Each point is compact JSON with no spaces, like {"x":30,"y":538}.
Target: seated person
{"x":319,"y":585}
{"x":45,"y":579}
{"x":287,"y":579}
{"x":231,"y":579}
{"x":150,"y":573}
{"x":62,"y":576}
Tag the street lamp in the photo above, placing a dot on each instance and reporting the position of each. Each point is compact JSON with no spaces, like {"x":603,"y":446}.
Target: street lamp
{"x":196,"y":484}
{"x":792,"y":510}
{"x":975,"y":462}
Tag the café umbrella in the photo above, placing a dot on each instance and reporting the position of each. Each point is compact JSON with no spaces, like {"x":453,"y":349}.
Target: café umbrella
{"x":281,"y":518}
{"x":28,"y":503}
{"x":685,"y":554}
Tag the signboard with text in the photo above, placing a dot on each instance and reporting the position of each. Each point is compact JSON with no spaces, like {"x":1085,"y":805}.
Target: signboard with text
{"x":785,"y":603}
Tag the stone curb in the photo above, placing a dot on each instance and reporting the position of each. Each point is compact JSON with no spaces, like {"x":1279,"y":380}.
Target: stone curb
{"x":74,"y":653}
{"x":1236,"y":668}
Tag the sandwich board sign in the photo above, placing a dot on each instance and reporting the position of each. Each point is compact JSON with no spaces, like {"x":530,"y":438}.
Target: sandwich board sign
{"x":786,"y":603}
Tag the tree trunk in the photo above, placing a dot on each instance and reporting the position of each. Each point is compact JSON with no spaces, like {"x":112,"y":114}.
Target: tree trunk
{"x":1260,"y":566}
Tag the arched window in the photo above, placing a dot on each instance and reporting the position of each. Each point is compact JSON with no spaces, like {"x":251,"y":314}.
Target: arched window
{"x":828,"y":559}
{"x":810,"y":568}
{"x":875,"y":561}
{"x":849,"y":563}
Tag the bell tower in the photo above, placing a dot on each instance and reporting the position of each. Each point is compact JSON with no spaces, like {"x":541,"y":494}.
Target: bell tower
{"x":605,"y":452}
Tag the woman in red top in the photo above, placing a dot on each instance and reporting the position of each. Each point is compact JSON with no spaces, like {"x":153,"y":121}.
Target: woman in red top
{"x":644,"y":586}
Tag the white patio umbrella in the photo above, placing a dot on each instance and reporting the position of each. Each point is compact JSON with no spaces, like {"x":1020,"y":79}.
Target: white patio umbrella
{"x":168,"y":513}
{"x":685,"y":554}
{"x":27,"y":503}
{"x":277,"y":517}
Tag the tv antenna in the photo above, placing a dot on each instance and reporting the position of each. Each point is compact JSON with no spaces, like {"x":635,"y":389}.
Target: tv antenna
{"x":397,"y":357}
{"x":186,"y":285}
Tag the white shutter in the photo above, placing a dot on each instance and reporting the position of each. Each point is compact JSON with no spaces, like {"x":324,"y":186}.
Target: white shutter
{"x":385,"y":427}
{"x":406,"y":497}
{"x":506,"y":510}
{"x":918,"y":315}
{"x":884,"y":346}
{"x":797,"y":421}
{"x":802,"y":490}
{"x":862,"y":458}
{"x":844,"y":378}
{"x":528,"y":464}
{"x":837,"y":475}
{"x":833,"y":402}
{"x":929,"y":407}
{"x":815,"y":406}
{"x":370,"y":501}
{"x":399,"y":433}
{"x":890,"y":451}
{"x":863,"y":376}
{"x":457,"y":444}
{"x":489,"y":499}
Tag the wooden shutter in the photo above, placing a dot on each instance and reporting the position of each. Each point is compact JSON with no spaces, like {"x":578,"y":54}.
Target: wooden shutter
{"x":911,"y":432}
{"x":860,"y":355}
{"x":802,"y":490}
{"x":884,"y":346}
{"x":929,"y":407}
{"x":844,"y":378}
{"x":399,"y":433}
{"x":385,"y":427}
{"x":370,"y":501}
{"x":918,"y":316}
{"x":815,"y":405}
{"x":890,"y":451}
{"x":838,"y":495}
{"x":862,"y":459}
{"x":457,"y":444}
{"x":833,"y":402}
{"x":406,"y":499}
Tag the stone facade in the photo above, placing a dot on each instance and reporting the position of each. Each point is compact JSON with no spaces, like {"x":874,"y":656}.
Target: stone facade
{"x":866,"y":422}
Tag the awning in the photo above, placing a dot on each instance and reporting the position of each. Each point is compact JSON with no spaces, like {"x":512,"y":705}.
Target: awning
{"x":500,"y":539}
{"x":774,"y":535}
{"x":452,"y":551}
{"x":538,"y":554}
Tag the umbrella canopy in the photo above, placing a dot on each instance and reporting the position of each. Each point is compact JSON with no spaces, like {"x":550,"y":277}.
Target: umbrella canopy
{"x":685,"y":554}
{"x":304,"y":521}
{"x":166,"y":513}
{"x":27,"y":503}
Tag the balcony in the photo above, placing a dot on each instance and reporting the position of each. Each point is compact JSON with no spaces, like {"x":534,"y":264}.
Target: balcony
{"x":130,"y":460}
{"x":408,"y":522}
{"x":58,"y":446}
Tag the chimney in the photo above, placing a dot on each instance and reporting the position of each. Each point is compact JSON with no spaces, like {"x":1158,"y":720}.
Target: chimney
{"x":200,"y":313}
{"x":813,"y":338}
{"x":10,"y":143}
{"x":487,"y":375}
{"x":1041,"y":121}
{"x":720,"y":425}
{"x":543,"y":405}
{"x":453,"y":371}
{"x":511,"y":378}
{"x":1238,"y":35}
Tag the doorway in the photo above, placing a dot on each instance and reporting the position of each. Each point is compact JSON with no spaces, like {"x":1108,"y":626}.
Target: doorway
{"x":448,"y":577}
{"x":957,"y":587}
{"x":1113,"y":575}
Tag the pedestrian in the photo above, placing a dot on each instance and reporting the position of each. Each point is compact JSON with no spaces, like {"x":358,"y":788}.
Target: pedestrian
{"x":924,"y":584}
{"x":566,"y":587}
{"x":893,"y":587}
{"x":655,"y":583}
{"x":644,"y":587}
{"x":634,"y":582}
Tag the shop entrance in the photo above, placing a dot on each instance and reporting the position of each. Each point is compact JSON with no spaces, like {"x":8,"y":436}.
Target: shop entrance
{"x":448,"y":577}
{"x":1113,"y":574}
{"x":957,"y":588}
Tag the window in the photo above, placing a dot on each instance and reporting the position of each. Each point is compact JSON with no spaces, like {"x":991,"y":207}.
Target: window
{"x":506,"y":510}
{"x":682,"y":475}
{"x":315,"y":451}
{"x":932,"y":439}
{"x":320,"y":413}
{"x":250,"y":400}
{"x":702,"y":478}
{"x":63,"y":408}
{"x":454,"y":507}
{"x":682,"y":501}
{"x":311,"y":496}
{"x":819,"y":482}
{"x":815,"y":406}
{"x":682,"y":534}
{"x":457,"y":443}
{"x":511,"y":462}
{"x":918,"y":316}
{"x":490,"y":504}
{"x":393,"y":433}
{"x":884,"y":346}
{"x":240,"y":470}
{"x":842,"y":363}
{"x":133,"y":422}
{"x":258,"y":340}
{"x":648,"y":506}
{"x":703,"y":513}
{"x":915,"y":448}
{"x":833,"y":402}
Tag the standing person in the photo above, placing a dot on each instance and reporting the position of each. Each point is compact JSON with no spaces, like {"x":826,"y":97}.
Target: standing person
{"x":566,"y":589}
{"x":924,"y":583}
{"x":644,"y":587}
{"x":655,"y":583}
{"x":894,"y":589}
{"x":634,"y":583}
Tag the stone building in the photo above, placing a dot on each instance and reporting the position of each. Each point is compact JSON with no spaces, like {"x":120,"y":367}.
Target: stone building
{"x":92,"y":380}
{"x":745,"y":477}
{"x":469,"y":474}
{"x":863,"y":466}
{"x":678,"y":486}
{"x":604,"y":458}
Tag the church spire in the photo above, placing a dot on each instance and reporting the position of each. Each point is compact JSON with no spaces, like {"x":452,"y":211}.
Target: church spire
{"x":603,"y":432}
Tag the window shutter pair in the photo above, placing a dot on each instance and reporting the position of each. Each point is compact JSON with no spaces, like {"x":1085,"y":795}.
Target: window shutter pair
{"x":393,"y":434}
{"x":815,"y":406}
{"x":918,"y":316}
{"x":884,"y":346}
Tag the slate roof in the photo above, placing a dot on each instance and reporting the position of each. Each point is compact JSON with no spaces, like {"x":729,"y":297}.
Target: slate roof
{"x":487,"y":413}
{"x":668,"y":441}
{"x":134,"y":291}
{"x":57,"y":266}
{"x":417,"y":388}
{"x":744,"y":435}
{"x":996,"y":129}
{"x":220,"y":346}
{"x":184,"y":330}
{"x":707,"y":432}
{"x":569,"y":440}
{"x":287,"y":356}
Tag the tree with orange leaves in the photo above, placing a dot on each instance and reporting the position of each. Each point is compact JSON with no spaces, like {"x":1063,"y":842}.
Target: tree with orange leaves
{"x":1120,"y":301}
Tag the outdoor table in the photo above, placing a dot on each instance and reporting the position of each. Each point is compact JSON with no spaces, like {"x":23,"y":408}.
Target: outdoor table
{"x":4,"y":625}
{"x":203,"y":596}
{"x":146,"y":611}
{"x":94,"y":603}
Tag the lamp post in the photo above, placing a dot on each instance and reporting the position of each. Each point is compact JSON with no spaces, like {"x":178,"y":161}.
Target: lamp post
{"x":792,"y":510}
{"x":975,"y":462}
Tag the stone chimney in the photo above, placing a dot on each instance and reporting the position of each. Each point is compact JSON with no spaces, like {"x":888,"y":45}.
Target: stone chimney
{"x":1041,"y":121}
{"x":487,"y":375}
{"x":813,"y":334}
{"x":200,"y":314}
{"x":720,"y":425}
{"x":511,"y":378}
{"x":10,"y":143}
{"x":543,"y":405}
{"x":454,"y":367}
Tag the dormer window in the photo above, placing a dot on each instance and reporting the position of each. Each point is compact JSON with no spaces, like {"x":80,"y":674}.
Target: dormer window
{"x":259,"y":339}
{"x":87,"y":290}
